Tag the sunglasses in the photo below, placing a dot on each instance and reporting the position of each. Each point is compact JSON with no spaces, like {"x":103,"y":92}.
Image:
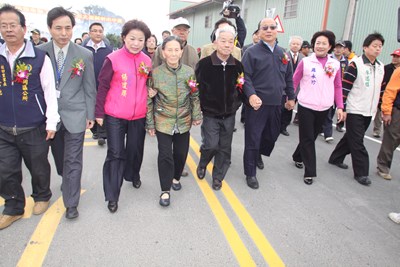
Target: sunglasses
{"x":272,"y":27}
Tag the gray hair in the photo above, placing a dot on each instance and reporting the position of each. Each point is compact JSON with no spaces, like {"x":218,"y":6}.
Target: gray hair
{"x":295,"y":37}
{"x":227,"y":28}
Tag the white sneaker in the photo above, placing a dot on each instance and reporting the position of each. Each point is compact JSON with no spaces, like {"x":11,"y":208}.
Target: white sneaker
{"x":395,"y":217}
{"x":329,"y":139}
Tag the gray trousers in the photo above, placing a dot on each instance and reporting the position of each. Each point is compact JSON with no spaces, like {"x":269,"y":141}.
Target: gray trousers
{"x":391,"y":140}
{"x":217,"y":136}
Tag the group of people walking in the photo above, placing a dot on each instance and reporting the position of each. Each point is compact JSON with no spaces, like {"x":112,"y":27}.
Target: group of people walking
{"x":60,"y":89}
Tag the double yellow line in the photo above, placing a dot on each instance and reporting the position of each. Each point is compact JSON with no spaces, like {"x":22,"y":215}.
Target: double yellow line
{"x":239,"y":249}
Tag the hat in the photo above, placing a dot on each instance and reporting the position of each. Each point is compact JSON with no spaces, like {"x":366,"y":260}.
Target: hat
{"x":35,"y":31}
{"x":305,"y":45}
{"x":341,"y":43}
{"x":396,"y":52}
{"x":180,"y":21}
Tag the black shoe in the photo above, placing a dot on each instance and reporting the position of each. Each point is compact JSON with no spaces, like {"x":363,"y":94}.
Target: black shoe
{"x":184,"y":173}
{"x":101,"y":141}
{"x":285,"y":133}
{"x":260,"y":162}
{"x":340,"y":165}
{"x":308,"y":180}
{"x":201,"y":172}
{"x":176,"y":186}
{"x":137,"y":183}
{"x":252,"y":182}
{"x":216,"y":184}
{"x":364,"y":180}
{"x":95,"y":136}
{"x":299,"y":164}
{"x":71,"y":213}
{"x":339,"y":128}
{"x":112,"y":206}
{"x":296,"y":120}
{"x":164,"y":202}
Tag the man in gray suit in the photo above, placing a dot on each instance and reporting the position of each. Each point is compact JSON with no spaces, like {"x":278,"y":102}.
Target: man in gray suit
{"x":76,"y":93}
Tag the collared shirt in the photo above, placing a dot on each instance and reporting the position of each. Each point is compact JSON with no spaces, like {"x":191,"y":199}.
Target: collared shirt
{"x":57,"y":49}
{"x":12,"y":57}
{"x":96,"y":46}
{"x":270,"y":47}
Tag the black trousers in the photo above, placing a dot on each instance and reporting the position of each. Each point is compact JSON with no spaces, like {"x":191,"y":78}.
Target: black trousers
{"x":67,"y":149}
{"x":286,"y":115}
{"x":172,"y":154}
{"x":33,"y":148}
{"x":99,"y":130}
{"x":262,"y":129}
{"x":310,"y":125}
{"x":122,"y":160}
{"x":217,"y":137}
{"x":352,"y":143}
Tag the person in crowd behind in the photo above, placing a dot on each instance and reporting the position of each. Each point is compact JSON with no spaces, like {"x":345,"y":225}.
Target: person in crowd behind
{"x":320,"y":82}
{"x":175,"y":107}
{"x":391,"y":118}
{"x":267,"y":74}
{"x":295,"y":57}
{"x":100,"y":51}
{"x":255,"y":39}
{"x":76,"y":92}
{"x":208,"y":49}
{"x":220,"y":78}
{"x":327,"y":126}
{"x":121,"y":104}
{"x":348,"y":52}
{"x":35,"y":37}
{"x":78,"y":41}
{"x":151,"y":46}
{"x":189,"y":55}
{"x":361,"y":87}
{"x":389,"y":69}
{"x":85,"y":36}
{"x":28,"y":117}
{"x":165,"y":34}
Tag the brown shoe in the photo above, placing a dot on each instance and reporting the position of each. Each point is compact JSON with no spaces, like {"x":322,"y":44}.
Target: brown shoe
{"x":40,"y":207}
{"x":7,"y":220}
{"x":384,"y":175}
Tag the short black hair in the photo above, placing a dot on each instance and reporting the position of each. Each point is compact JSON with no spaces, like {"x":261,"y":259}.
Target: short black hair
{"x":348,"y":44}
{"x":13,"y":9}
{"x":171,"y":38}
{"x":328,"y":34}
{"x":168,"y":32}
{"x":84,"y":33}
{"x":57,"y":12}
{"x":96,"y":24}
{"x":372,"y":37}
{"x":154,"y":38}
{"x":135,"y":24}
{"x":216,"y":25}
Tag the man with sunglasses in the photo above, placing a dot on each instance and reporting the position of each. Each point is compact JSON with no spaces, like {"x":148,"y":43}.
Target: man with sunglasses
{"x":268,"y":75}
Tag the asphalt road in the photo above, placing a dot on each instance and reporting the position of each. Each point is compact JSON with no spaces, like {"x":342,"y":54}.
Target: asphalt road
{"x":334,"y":222}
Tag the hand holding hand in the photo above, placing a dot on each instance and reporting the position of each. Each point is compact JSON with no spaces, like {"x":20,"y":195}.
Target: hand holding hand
{"x":255,"y":101}
{"x":100,"y":121}
{"x":50,"y":134}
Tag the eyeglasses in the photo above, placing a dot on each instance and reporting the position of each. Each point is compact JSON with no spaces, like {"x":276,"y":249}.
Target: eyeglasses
{"x":5,"y":27}
{"x":272,"y":27}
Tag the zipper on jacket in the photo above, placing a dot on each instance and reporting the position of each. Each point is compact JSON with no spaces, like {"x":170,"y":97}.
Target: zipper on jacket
{"x":177,"y":101}
{"x":374,"y":69}
{"x":223,"y":65}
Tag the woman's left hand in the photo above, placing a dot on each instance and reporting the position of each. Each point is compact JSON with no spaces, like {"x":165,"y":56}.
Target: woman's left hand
{"x":341,"y":116}
{"x":196,"y":122}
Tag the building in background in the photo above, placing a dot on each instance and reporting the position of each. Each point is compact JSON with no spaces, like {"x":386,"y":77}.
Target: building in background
{"x":348,"y":19}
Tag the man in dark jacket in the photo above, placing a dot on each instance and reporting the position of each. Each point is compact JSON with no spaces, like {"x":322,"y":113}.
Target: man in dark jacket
{"x":268,"y":74}
{"x":220,"y":78}
{"x":100,"y":51}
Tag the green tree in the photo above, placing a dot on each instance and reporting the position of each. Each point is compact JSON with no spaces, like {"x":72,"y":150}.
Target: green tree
{"x":115,"y":40}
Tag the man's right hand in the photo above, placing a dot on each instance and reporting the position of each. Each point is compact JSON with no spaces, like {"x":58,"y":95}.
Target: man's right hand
{"x":387,"y":119}
{"x":255,"y":101}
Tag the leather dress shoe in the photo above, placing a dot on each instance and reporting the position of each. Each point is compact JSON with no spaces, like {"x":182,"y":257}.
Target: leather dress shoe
{"x":252,"y":182}
{"x":364,"y":180}
{"x":285,"y":133}
{"x":7,"y":220}
{"x":308,"y":180}
{"x":137,"y":183}
{"x":340,"y":165}
{"x":176,"y":186}
{"x":260,"y":162}
{"x":71,"y":213}
{"x":112,"y":206}
{"x":101,"y":141}
{"x":184,"y":173}
{"x":201,"y":172}
{"x":40,"y":207}
{"x":216,"y":184}
{"x":299,"y":164}
{"x":164,"y":201}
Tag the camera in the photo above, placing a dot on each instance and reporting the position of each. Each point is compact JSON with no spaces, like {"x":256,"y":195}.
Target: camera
{"x":229,"y":10}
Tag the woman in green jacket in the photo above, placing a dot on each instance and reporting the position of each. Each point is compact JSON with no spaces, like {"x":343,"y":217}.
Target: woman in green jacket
{"x":171,"y":113}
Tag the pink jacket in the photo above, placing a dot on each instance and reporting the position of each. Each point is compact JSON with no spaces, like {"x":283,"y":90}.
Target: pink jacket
{"x":127,"y":94}
{"x":320,"y":86}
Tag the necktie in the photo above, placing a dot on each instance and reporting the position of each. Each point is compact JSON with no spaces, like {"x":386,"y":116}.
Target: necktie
{"x":60,"y":61}
{"x":295,"y":58}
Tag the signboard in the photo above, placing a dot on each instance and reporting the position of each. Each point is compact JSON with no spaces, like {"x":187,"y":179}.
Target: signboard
{"x":279,"y":24}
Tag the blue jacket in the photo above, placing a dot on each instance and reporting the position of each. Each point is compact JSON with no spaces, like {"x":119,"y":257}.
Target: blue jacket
{"x":22,"y":107}
{"x":266,"y":74}
{"x":98,"y":59}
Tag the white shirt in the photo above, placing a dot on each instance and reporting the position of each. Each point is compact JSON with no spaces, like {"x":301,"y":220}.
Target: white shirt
{"x":91,"y":44}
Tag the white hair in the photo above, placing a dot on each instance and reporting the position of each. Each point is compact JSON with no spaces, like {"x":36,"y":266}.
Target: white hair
{"x":295,"y":37}
{"x":226,"y":28}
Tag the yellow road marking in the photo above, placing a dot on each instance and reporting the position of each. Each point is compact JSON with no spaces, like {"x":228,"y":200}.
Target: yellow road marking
{"x":37,"y":247}
{"x":239,"y":249}
{"x":88,"y":136}
{"x":265,"y":248}
{"x":94,"y":143}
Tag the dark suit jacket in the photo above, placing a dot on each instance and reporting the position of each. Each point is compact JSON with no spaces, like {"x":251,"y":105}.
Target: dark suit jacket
{"x":77,"y":99}
{"x":300,"y":56}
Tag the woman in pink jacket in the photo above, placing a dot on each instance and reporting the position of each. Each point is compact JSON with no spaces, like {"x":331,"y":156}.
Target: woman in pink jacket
{"x":320,"y":86}
{"x":122,"y":102}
